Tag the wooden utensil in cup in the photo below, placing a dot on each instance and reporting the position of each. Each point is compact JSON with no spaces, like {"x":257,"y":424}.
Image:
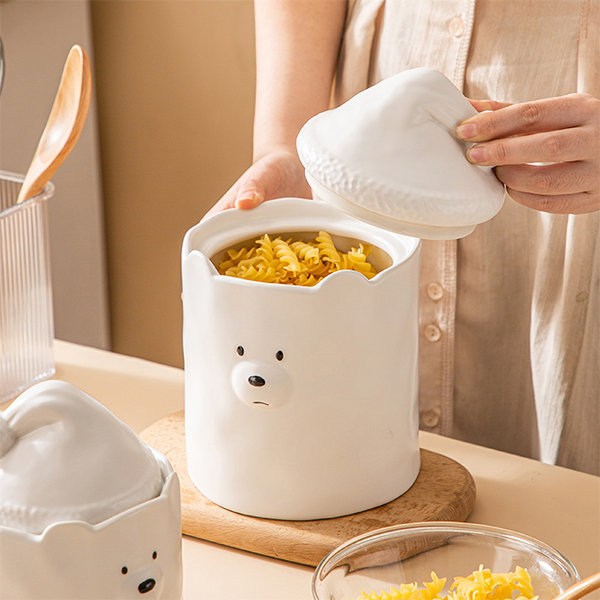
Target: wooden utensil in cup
{"x":64,"y":124}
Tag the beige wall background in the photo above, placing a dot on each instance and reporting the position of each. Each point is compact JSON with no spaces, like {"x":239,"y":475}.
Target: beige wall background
{"x":168,"y":132}
{"x":175,"y":91}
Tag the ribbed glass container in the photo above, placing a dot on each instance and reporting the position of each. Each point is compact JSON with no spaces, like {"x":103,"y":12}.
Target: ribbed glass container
{"x":26,"y":318}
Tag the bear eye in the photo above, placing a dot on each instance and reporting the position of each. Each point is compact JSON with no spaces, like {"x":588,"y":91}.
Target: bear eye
{"x":124,"y":570}
{"x":154,"y":554}
{"x":240,"y":350}
{"x":279,"y":355}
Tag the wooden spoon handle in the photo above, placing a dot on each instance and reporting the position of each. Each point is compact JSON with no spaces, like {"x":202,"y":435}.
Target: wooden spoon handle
{"x":582,"y":588}
{"x":67,"y":118}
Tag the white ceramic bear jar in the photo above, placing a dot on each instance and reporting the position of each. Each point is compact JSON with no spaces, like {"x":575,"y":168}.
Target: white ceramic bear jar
{"x":300,"y":401}
{"x":87,"y":512}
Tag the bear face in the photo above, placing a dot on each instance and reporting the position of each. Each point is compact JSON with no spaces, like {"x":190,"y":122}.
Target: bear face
{"x":143,"y":574}
{"x":261,"y":382}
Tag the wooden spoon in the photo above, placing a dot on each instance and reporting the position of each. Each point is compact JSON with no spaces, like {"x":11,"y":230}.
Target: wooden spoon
{"x":64,"y":125}
{"x":581,"y":588}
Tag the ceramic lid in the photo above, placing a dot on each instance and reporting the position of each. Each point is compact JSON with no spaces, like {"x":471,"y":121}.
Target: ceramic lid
{"x":65,"y":457}
{"x":389,"y":156}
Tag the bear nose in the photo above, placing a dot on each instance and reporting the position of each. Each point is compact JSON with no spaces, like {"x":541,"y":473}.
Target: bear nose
{"x":146,"y":586}
{"x":256,"y":380}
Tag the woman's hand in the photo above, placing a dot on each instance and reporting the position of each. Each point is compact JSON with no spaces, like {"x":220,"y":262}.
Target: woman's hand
{"x":563,"y":131}
{"x":276,"y":175}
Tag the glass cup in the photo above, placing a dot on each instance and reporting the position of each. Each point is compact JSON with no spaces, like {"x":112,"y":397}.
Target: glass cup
{"x":376,"y":561}
{"x":26,"y":318}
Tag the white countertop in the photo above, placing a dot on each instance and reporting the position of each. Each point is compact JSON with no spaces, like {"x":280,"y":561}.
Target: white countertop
{"x":558,"y":506}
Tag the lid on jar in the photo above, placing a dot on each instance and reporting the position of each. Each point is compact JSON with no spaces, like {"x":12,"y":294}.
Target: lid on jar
{"x":389,"y":156}
{"x":65,"y":457}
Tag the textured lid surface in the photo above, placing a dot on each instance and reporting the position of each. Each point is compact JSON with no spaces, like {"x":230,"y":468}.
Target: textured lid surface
{"x":64,"y":456}
{"x":389,"y":156}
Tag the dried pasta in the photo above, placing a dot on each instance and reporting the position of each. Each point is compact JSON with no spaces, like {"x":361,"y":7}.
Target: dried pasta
{"x":294,"y":262}
{"x":480,"y":585}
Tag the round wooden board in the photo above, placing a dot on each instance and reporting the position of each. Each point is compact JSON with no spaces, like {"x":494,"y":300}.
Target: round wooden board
{"x":443,"y":491}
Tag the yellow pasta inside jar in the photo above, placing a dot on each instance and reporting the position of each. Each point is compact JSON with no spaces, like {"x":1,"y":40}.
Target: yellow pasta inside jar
{"x":294,"y":262}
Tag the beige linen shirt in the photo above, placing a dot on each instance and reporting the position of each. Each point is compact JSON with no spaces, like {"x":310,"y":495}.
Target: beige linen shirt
{"x":509,"y":319}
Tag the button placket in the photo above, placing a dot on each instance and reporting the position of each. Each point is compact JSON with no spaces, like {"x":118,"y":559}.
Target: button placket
{"x":436,"y":318}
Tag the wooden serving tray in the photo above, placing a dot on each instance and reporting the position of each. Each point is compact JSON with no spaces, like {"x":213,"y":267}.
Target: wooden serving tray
{"x":443,"y":491}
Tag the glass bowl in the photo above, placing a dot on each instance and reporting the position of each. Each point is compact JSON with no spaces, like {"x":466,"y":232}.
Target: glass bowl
{"x":388,"y":557}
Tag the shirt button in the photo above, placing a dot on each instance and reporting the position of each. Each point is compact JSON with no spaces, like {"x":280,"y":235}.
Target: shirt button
{"x":432,"y":333}
{"x":456,"y":26}
{"x":429,"y":418}
{"x":435,"y":291}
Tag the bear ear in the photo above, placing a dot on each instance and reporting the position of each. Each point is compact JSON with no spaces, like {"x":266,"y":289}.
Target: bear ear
{"x":342,"y":280}
{"x":69,"y":542}
{"x":172,"y":489}
{"x":67,"y":533}
{"x":196,"y":270}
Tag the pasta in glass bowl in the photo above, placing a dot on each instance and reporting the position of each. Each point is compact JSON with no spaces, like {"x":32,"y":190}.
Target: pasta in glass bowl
{"x":382,"y":564}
